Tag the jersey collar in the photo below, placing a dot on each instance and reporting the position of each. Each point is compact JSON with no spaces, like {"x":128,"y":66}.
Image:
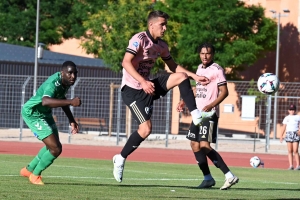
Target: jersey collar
{"x":151,"y":38}
{"x":208,"y":65}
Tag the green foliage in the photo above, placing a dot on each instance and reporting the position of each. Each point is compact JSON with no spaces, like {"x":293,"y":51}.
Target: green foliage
{"x":59,"y":19}
{"x":252,"y":90}
{"x":240,"y":33}
{"x":111,"y":29}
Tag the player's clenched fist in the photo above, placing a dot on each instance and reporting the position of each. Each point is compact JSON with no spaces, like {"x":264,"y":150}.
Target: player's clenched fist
{"x":76,"y":102}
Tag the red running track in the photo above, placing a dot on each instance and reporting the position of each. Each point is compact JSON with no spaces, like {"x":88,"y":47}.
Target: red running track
{"x":143,"y":154}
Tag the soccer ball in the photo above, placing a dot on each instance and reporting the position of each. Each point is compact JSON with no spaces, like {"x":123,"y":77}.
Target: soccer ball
{"x":255,"y":162}
{"x":268,"y":83}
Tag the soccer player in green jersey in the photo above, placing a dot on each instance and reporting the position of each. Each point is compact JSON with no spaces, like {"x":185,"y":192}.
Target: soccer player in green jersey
{"x":37,"y":113}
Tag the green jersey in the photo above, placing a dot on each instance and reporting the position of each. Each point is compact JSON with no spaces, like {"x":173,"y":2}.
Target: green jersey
{"x":53,"y":88}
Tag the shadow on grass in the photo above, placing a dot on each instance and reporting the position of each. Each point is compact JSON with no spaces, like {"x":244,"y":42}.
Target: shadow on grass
{"x":171,"y":187}
{"x":128,"y":186}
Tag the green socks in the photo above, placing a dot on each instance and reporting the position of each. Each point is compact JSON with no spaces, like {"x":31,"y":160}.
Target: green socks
{"x":45,"y":161}
{"x":36,"y":159}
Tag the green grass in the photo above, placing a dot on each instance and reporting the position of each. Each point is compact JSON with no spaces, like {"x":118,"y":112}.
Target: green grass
{"x":92,"y":179}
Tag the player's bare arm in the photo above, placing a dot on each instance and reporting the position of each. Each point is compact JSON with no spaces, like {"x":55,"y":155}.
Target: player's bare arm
{"x":55,"y":103}
{"x":282,"y":132}
{"x":223,"y":93}
{"x":73,"y":123}
{"x":147,"y":86}
{"x":174,"y":67}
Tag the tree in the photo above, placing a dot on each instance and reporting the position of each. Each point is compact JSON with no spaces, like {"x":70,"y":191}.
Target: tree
{"x":59,"y":19}
{"x":110,"y":29}
{"x":240,"y":33}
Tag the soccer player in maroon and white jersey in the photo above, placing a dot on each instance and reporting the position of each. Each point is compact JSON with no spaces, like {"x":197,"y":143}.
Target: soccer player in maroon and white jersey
{"x":139,"y":92}
{"x":208,"y":97}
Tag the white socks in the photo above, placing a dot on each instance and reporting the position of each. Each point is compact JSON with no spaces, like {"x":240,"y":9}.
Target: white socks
{"x":229,"y":175}
{"x":196,"y":113}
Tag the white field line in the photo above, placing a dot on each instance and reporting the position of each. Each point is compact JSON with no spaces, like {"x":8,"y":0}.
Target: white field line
{"x":148,"y":179}
{"x":134,"y":179}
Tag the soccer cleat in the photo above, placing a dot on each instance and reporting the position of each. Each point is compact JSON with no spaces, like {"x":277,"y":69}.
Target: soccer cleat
{"x":118,"y":167}
{"x":297,"y":168}
{"x":291,"y":168}
{"x":36,"y":180}
{"x":24,"y":172}
{"x":204,"y":115}
{"x":229,"y":182}
{"x":207,"y":184}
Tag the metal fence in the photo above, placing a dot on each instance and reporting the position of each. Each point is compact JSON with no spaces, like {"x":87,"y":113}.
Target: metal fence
{"x":101,"y":99}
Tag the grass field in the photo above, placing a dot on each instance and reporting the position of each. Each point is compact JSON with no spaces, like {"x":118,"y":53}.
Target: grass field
{"x":92,"y":179}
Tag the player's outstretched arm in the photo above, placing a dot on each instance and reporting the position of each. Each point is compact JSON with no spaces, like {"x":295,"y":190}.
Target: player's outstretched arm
{"x":174,"y":67}
{"x":55,"y":103}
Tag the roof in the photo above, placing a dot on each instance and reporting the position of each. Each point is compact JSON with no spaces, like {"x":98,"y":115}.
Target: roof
{"x":16,"y":53}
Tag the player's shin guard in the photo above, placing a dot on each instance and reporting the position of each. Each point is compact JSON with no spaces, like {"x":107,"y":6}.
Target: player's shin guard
{"x":132,"y":144}
{"x":202,"y":162}
{"x":218,"y":161}
{"x":187,"y":94}
{"x":46,"y":160}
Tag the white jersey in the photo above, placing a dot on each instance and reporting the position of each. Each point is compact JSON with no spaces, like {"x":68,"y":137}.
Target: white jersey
{"x":292,"y":123}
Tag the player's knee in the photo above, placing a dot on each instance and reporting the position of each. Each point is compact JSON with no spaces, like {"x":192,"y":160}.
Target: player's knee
{"x":56,"y":151}
{"x":182,"y":76}
{"x":296,"y":152}
{"x":144,"y":132}
{"x":205,"y":146}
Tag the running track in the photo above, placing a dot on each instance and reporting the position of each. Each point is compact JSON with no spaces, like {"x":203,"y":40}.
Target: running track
{"x":142,"y":154}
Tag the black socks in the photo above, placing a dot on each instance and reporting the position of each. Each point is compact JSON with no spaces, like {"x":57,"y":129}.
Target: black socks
{"x":187,"y":94}
{"x":202,"y":162}
{"x":132,"y":144}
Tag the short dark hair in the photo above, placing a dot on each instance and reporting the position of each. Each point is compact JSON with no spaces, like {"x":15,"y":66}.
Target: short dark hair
{"x":206,"y":45}
{"x":66,"y":64}
{"x":156,"y":14}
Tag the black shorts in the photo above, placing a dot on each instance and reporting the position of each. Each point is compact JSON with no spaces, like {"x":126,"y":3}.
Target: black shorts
{"x":140,"y":103}
{"x":207,"y":131}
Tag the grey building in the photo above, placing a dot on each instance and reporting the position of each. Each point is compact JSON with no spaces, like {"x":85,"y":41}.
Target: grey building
{"x":19,"y":60}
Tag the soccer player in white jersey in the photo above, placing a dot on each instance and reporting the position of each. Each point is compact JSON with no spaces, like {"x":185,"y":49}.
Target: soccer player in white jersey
{"x":208,"y":98}
{"x":291,"y":127}
{"x":139,"y":92}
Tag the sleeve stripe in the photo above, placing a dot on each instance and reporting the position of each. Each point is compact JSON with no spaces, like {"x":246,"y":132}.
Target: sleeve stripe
{"x":222,"y":83}
{"x":167,"y":58}
{"x":142,"y":35}
{"x":131,"y":51}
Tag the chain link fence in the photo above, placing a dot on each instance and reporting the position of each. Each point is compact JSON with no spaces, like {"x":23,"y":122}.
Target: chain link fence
{"x":101,"y":100}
